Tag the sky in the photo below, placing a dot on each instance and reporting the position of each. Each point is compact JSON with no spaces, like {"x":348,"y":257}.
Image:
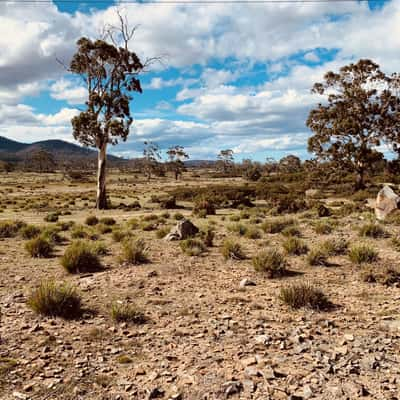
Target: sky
{"x":234,"y":76}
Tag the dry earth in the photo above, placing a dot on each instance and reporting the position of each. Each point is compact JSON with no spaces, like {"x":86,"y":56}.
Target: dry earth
{"x":207,"y":338}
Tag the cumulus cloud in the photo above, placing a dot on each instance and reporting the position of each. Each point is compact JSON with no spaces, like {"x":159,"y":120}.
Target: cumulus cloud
{"x":67,"y":90}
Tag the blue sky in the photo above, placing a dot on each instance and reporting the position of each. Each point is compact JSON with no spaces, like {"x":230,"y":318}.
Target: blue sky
{"x":233,"y":76}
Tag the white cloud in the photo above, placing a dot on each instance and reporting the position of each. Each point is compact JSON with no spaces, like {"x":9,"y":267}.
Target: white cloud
{"x":64,"y":89}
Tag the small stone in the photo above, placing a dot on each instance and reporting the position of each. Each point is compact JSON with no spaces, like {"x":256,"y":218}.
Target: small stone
{"x":20,"y":396}
{"x":246,"y":282}
{"x":249,"y":361}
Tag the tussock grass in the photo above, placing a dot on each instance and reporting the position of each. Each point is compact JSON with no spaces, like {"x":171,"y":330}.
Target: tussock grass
{"x":133,"y":251}
{"x":80,"y":257}
{"x":39,"y":247}
{"x":301,"y":295}
{"x":295,"y":246}
{"x":232,"y":250}
{"x":270,"y":262}
{"x":363,"y":253}
{"x":129,"y":313}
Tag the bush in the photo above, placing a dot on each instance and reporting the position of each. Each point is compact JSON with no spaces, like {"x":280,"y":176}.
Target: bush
{"x":193,"y":247}
{"x":80,"y":257}
{"x":178,"y":216}
{"x":335,"y":246}
{"x":234,"y":218}
{"x":91,"y":220}
{"x":304,"y":295}
{"x":104,"y":229}
{"x":107,"y":221}
{"x":120,"y":235}
{"x":270,"y":262}
{"x":372,"y":230}
{"x":291,"y":231}
{"x":55,"y":300}
{"x":232,"y":250}
{"x":396,"y":243}
{"x":133,"y":251}
{"x":317,"y":257}
{"x":362,"y":253}
{"x":252,"y":233}
{"x":100,"y":248}
{"x":277,"y":225}
{"x":207,"y":236}
{"x":29,"y":231}
{"x":52,"y":234}
{"x":133,"y":223}
{"x":9,"y":229}
{"x":148,"y":226}
{"x":323,"y":227}
{"x":295,"y":246}
{"x":52,"y":217}
{"x":240,"y":229}
{"x":203,"y":206}
{"x":79,"y":232}
{"x":387,"y":276}
{"x":39,"y":247}
{"x":162,"y":232}
{"x":129,"y":313}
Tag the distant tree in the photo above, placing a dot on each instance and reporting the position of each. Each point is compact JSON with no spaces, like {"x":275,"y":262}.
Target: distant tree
{"x":359,"y":115}
{"x":40,"y":161}
{"x":151,"y":158}
{"x":110,"y":72}
{"x":251,"y":170}
{"x":289,"y":164}
{"x":176,"y":157}
{"x":225,"y":160}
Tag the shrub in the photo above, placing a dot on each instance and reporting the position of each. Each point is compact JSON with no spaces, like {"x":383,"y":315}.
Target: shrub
{"x":335,"y":246}
{"x":178,"y":216}
{"x":372,"y":230}
{"x":103,"y":229}
{"x":396,"y":243}
{"x":387,"y":276}
{"x":9,"y":229}
{"x":207,"y":236}
{"x":133,"y":223}
{"x":100,"y":248}
{"x":133,"y":251}
{"x":270,"y":262}
{"x":162,"y":232}
{"x":65,"y":225}
{"x":317,"y":257}
{"x":362,"y":253}
{"x":55,"y":300}
{"x":291,"y":231}
{"x":295,"y":246}
{"x":79,"y":232}
{"x":240,"y":229}
{"x":91,"y":220}
{"x":150,"y":217}
{"x":252,"y":233}
{"x":107,"y":221}
{"x":323,"y":227}
{"x":148,"y":226}
{"x":119,"y":235}
{"x":51,"y":217}
{"x":52,"y":234}
{"x":202,"y":205}
{"x":80,"y":257}
{"x":234,"y":218}
{"x":130,"y":313}
{"x":277,"y":225}
{"x":232,"y":250}
{"x":29,"y":231}
{"x":304,"y":295}
{"x":193,"y":247}
{"x":39,"y":247}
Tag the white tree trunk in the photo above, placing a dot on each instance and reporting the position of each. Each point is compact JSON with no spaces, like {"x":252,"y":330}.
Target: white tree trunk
{"x":101,"y":200}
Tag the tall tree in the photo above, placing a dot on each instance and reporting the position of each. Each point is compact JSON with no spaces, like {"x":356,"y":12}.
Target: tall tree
{"x":355,"y":120}
{"x":290,"y":164}
{"x":225,"y":158}
{"x":151,"y":158}
{"x":176,"y":157}
{"x":110,"y":70}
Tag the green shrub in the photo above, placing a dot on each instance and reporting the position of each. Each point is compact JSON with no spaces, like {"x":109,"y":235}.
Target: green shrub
{"x":51,"y":217}
{"x":9,"y":229}
{"x":277,"y":225}
{"x":232,"y":250}
{"x":52,"y":234}
{"x":240,"y":229}
{"x":150,"y":217}
{"x":178,"y":216}
{"x":39,"y":247}
{"x":133,"y":251}
{"x":104,"y":229}
{"x":207,"y":236}
{"x":65,"y":225}
{"x":372,"y":230}
{"x":335,"y":246}
{"x":193,"y":247}
{"x":148,"y":226}
{"x":109,"y":221}
{"x":234,"y":218}
{"x":362,"y":253}
{"x":295,"y":246}
{"x":291,"y":231}
{"x":100,"y":248}
{"x":129,"y":313}
{"x":79,"y":232}
{"x":323,"y":227}
{"x":162,"y":232}
{"x":203,"y":206}
{"x":120,"y":235}
{"x":55,"y":300}
{"x":252,"y":233}
{"x":271,"y":262}
{"x":133,"y":223}
{"x":91,"y":220}
{"x":80,"y":257}
{"x":304,"y":295}
{"x":317,"y":257}
{"x":387,"y":276}
{"x":396,"y":243}
{"x":29,"y":231}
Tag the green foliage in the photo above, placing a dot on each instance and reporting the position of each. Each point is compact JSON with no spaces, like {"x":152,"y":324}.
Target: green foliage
{"x":39,"y":247}
{"x":109,"y":221}
{"x":232,"y":250}
{"x":203,"y":206}
{"x":317,"y":257}
{"x":295,"y":246}
{"x":323,"y":227}
{"x":178,"y":216}
{"x":129,"y":313}
{"x":300,"y":295}
{"x":193,"y":247}
{"x":252,"y":233}
{"x":52,"y":217}
{"x":52,"y":234}
{"x":162,"y":232}
{"x":91,"y":220}
{"x":335,"y":246}
{"x":277,"y":225}
{"x":29,"y":231}
{"x":291,"y":230}
{"x":80,"y":257}
{"x":79,"y":232}
{"x":238,"y":228}
{"x":9,"y":229}
{"x":104,"y":229}
{"x":372,"y":230}
{"x":387,"y":276}
{"x":54,"y":300}
{"x":133,"y":251}
{"x":119,"y":235}
{"x":362,"y":253}
{"x":270,"y":262}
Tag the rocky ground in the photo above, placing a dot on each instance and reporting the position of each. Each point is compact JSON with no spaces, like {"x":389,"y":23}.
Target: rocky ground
{"x":210,"y":334}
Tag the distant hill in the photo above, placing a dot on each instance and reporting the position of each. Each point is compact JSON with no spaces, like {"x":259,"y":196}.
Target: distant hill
{"x":10,"y":150}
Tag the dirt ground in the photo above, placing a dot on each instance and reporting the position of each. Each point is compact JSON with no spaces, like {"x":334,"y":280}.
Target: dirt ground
{"x":206,"y":337}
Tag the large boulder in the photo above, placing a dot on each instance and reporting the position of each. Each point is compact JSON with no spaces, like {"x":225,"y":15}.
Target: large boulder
{"x":386,"y":202}
{"x":183,"y":230}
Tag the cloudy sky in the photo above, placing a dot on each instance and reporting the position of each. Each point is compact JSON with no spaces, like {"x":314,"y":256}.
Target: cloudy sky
{"x":233,"y":76}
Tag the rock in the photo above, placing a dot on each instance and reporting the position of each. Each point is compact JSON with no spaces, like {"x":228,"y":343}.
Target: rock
{"x":386,"y":202}
{"x":20,"y":396}
{"x":183,"y":230}
{"x":156,"y":393}
{"x":246,"y":282}
{"x":232,"y":387}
